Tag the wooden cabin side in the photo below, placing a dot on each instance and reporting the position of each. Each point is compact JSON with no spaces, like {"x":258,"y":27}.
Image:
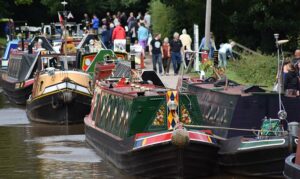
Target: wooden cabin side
{"x":46,"y":80}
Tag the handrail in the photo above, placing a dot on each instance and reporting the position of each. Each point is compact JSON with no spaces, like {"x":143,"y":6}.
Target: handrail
{"x":246,"y":49}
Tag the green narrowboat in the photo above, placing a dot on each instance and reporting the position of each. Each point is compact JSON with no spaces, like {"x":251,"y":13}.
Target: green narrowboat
{"x":138,"y":127}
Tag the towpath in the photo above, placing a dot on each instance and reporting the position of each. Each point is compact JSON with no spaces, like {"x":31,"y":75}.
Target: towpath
{"x":169,"y":81}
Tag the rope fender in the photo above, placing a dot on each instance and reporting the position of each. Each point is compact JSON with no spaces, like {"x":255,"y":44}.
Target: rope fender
{"x":180,"y":136}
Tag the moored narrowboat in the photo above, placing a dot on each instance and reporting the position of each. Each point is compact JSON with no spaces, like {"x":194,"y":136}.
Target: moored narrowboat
{"x":262,"y":155}
{"x":138,"y":127}
{"x":18,"y":79}
{"x":239,"y":106}
{"x":60,"y":96}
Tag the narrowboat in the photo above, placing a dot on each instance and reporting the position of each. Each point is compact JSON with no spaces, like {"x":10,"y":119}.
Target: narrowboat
{"x":89,"y":54}
{"x":260,"y":156}
{"x":60,"y":95}
{"x":238,"y":106}
{"x":139,"y":128}
{"x":17,"y":80}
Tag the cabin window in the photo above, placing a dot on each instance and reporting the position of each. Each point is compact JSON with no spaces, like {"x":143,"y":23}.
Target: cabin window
{"x":41,"y":85}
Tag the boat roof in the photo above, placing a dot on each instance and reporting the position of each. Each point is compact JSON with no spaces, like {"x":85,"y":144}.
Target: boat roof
{"x":151,"y":85}
{"x":31,"y":28}
{"x":86,"y":40}
{"x":135,"y":89}
{"x":45,"y":43}
{"x":232,"y":88}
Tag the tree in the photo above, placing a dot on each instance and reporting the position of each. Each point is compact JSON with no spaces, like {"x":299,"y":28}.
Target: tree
{"x":19,"y":2}
{"x":163,"y":18}
{"x":251,"y":23}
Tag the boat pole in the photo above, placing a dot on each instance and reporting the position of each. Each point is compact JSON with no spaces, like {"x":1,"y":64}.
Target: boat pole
{"x":207,"y":23}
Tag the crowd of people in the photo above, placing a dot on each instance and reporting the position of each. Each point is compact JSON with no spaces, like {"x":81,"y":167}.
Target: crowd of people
{"x":9,"y":30}
{"x":119,"y":26}
{"x":291,"y":75}
{"x":137,"y":29}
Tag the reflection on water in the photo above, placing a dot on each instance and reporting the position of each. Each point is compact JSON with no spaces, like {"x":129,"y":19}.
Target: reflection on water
{"x":34,"y":150}
{"x":12,"y":116}
{"x":66,"y":149}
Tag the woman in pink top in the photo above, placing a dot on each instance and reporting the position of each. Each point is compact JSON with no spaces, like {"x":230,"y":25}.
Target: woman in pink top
{"x":166,"y":56}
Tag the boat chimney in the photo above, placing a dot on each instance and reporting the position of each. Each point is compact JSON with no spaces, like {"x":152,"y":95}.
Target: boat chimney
{"x":22,"y":41}
{"x":132,"y":60}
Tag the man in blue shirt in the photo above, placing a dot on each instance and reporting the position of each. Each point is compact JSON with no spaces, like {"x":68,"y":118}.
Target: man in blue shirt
{"x":211,"y":46}
{"x":95,"y":24}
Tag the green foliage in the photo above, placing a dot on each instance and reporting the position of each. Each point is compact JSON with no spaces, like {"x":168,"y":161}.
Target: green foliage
{"x":53,"y":5}
{"x":23,"y":2}
{"x":251,"y":23}
{"x":92,"y":6}
{"x":251,"y":69}
{"x":163,"y":18}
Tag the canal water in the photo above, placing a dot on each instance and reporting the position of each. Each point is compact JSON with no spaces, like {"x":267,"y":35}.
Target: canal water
{"x":31,"y":150}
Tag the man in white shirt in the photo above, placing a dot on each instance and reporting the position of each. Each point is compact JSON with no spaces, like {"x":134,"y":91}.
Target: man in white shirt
{"x":224,"y":51}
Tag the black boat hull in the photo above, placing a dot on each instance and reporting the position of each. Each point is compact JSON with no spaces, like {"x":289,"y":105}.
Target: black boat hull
{"x":291,"y":170}
{"x":17,"y":96}
{"x":157,"y":161}
{"x":53,"y":109}
{"x":259,"y":161}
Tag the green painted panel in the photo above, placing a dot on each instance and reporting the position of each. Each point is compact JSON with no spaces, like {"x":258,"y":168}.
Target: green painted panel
{"x":100,"y":58}
{"x":192,"y":106}
{"x":125,"y":117}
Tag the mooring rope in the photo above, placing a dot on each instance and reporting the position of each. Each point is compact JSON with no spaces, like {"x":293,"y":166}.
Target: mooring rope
{"x":227,"y":128}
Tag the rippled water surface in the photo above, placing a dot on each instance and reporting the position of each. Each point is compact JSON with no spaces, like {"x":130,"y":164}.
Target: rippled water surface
{"x":32,"y":150}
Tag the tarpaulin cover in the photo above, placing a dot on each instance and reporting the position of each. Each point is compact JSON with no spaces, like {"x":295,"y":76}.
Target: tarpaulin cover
{"x":20,"y":67}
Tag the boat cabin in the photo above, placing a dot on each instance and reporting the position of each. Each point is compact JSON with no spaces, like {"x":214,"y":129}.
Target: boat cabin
{"x":125,"y":109}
